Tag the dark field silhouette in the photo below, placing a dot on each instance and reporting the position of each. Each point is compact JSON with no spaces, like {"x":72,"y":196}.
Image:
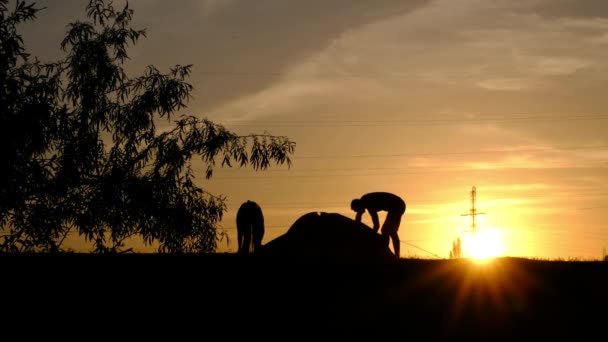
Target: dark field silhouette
{"x":297,"y":287}
{"x":509,"y":297}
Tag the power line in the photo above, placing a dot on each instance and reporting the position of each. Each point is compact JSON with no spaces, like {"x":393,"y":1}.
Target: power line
{"x":296,"y":169}
{"x":556,"y":149}
{"x":318,"y":208}
{"x":422,"y":249}
{"x":266,"y":227}
{"x":288,"y":205}
{"x":293,"y":170}
{"x":423,"y":122}
{"x":399,"y":173}
{"x":275,"y":74}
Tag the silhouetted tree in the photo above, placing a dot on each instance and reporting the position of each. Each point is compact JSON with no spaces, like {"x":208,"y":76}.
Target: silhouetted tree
{"x":456,"y":251}
{"x":81,"y":152}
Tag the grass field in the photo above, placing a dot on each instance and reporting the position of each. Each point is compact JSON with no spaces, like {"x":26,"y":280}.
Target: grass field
{"x":234,"y":295}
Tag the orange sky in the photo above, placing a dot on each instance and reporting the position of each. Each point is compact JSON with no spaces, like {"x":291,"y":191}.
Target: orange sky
{"x":421,"y":98}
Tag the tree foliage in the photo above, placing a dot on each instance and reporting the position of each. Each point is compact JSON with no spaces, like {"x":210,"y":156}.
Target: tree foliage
{"x":456,"y":251}
{"x":81,"y":152}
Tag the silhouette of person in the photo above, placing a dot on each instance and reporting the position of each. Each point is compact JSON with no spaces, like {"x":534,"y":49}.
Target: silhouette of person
{"x":249,"y":227}
{"x":374,"y":202}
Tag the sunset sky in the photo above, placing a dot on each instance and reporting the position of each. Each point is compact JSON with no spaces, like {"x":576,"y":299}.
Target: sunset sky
{"x":425,"y":99}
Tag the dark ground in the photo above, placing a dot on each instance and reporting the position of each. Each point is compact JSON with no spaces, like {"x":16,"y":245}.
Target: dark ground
{"x":223,"y":296}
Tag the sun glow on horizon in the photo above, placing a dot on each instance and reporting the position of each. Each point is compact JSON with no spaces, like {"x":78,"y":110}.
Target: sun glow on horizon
{"x":483,"y":245}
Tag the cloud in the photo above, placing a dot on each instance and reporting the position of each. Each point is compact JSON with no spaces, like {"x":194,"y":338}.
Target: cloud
{"x":535,"y":187}
{"x":571,"y":8}
{"x":507,"y":84}
{"x":209,"y":7}
{"x":241,"y":47}
{"x":560,"y":65}
{"x":238,"y":47}
{"x":279,"y":100}
{"x":600,"y":39}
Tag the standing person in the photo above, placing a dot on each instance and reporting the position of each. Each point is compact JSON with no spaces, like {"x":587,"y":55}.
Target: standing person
{"x":249,"y":226}
{"x":374,"y":202}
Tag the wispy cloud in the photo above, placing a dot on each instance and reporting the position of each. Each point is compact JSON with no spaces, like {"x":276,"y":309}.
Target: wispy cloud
{"x":209,"y":7}
{"x":560,"y":66}
{"x":507,"y":84}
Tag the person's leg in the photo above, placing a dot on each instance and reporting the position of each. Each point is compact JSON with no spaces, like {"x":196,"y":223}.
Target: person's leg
{"x":385,"y":231}
{"x":246,"y":246}
{"x":386,"y":236}
{"x":243,"y":229}
{"x":240,"y":231}
{"x":258,"y":235}
{"x":390,"y":228}
{"x":375,"y":220}
{"x":396,"y":244}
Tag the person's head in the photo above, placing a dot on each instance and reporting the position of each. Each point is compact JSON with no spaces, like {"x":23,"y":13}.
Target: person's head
{"x":357,"y":205}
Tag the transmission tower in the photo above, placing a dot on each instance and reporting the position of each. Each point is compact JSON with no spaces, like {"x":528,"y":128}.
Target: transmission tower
{"x":473,"y":211}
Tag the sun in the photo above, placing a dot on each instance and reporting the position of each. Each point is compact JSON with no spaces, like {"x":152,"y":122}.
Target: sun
{"x":483,"y":245}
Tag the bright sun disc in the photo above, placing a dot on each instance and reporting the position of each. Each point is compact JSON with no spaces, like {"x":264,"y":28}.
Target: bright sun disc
{"x":483,"y":245}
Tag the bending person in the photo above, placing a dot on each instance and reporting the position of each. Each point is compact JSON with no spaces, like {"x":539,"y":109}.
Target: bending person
{"x":374,"y":202}
{"x":249,"y":227}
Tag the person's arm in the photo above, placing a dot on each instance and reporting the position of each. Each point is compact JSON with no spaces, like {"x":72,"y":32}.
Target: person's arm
{"x":358,"y":216}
